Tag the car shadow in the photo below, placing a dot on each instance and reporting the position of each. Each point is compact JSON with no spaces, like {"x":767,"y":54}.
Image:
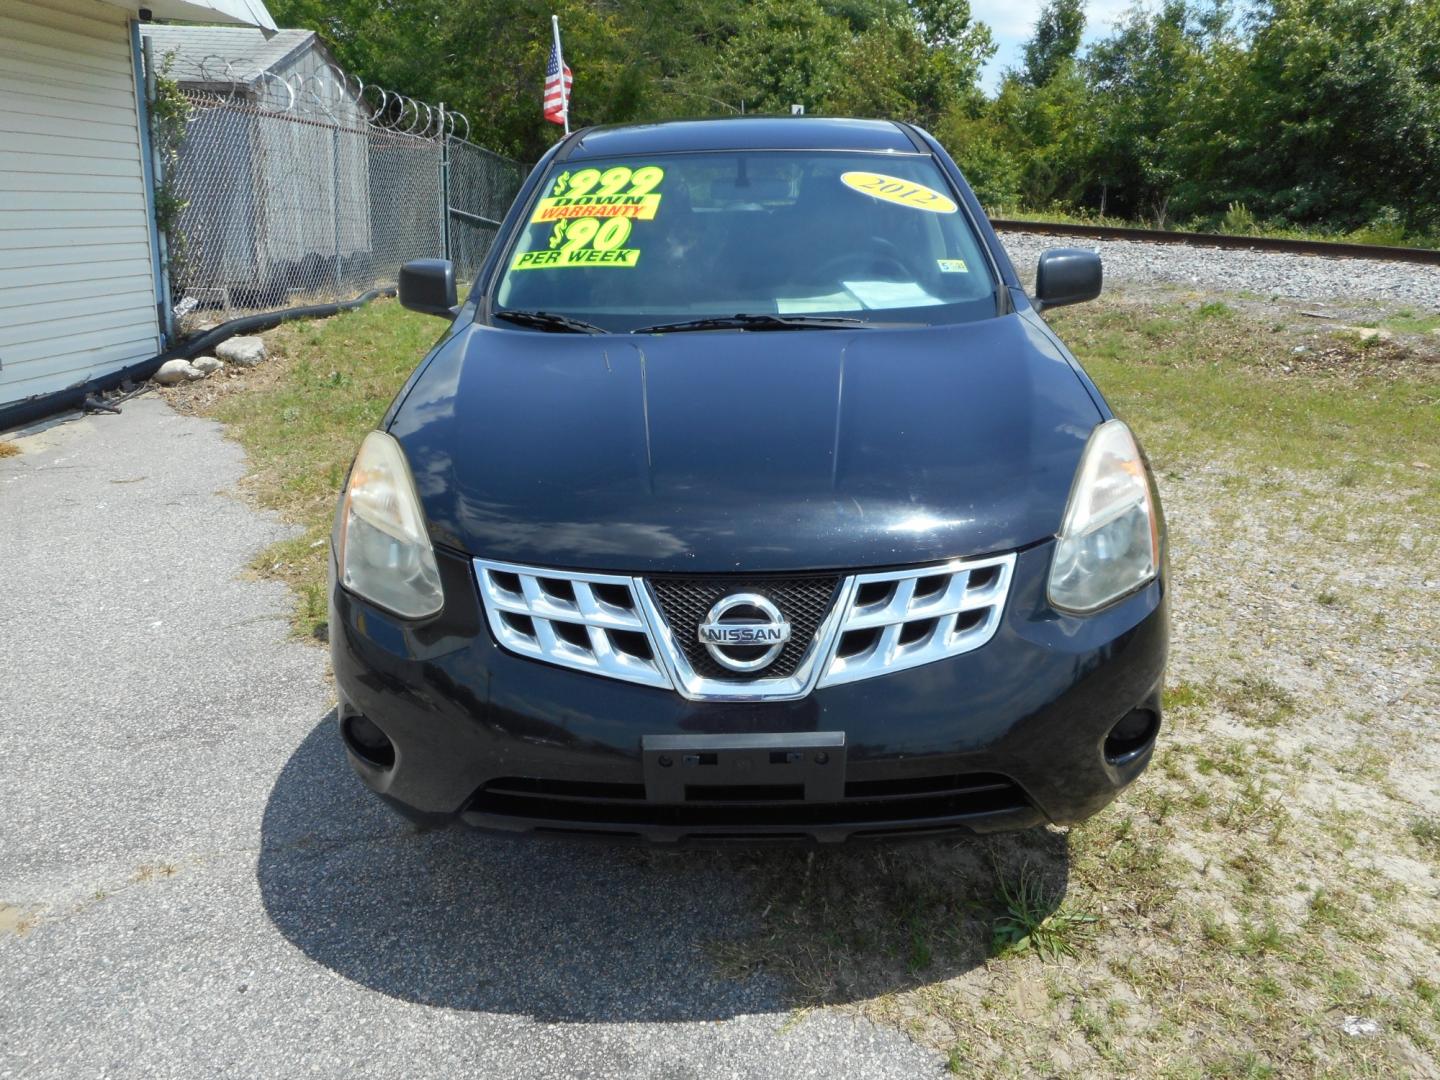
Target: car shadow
{"x":571,"y":930}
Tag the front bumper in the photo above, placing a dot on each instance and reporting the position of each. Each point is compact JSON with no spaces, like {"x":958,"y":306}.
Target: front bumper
{"x":1008,"y":736}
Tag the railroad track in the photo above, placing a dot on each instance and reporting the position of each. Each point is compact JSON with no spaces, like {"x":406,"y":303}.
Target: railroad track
{"x":1325,"y":248}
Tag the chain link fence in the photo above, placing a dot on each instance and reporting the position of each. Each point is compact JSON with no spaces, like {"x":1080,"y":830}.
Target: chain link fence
{"x":278,"y":207}
{"x":480,"y":186}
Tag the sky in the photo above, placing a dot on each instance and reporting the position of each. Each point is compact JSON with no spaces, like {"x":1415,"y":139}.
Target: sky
{"x":1013,"y":21}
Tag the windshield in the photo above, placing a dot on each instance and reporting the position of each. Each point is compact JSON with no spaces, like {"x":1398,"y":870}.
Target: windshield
{"x":627,"y":244}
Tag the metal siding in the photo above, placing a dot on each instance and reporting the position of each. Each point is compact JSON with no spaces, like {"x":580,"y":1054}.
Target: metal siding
{"x":77,"y":291}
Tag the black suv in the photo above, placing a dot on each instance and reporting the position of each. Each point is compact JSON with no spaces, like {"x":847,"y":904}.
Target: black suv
{"x":749,"y":496}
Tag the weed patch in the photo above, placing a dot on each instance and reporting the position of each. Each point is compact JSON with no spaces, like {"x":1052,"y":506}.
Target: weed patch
{"x":1427,"y":831}
{"x":1031,"y":921}
{"x":1257,"y":699}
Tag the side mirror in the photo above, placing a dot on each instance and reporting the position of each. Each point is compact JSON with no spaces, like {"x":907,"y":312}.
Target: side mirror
{"x":428,"y":285}
{"x":1067,"y":276}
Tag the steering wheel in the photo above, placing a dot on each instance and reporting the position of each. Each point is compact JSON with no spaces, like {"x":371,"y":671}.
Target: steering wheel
{"x":881,"y":256}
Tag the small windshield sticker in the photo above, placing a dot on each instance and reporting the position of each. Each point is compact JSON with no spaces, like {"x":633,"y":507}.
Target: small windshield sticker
{"x":898,"y":191}
{"x":618,"y":192}
{"x":953,"y":266}
{"x":579,"y":242}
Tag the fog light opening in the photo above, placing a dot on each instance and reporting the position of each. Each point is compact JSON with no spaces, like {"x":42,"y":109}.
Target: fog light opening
{"x":367,"y":741}
{"x":1129,"y":738}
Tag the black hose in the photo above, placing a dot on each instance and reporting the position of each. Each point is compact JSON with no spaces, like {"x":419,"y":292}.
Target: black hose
{"x":21,"y":413}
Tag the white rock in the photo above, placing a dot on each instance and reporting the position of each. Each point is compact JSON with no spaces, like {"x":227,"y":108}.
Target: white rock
{"x":177,"y":371}
{"x":207,"y":364}
{"x":245,"y":351}
{"x":1360,"y":1026}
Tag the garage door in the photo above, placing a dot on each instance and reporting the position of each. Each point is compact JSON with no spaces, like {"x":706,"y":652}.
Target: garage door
{"x":76,"y":274}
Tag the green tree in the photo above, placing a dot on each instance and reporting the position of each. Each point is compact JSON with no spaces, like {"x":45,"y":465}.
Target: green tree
{"x":907,"y":68}
{"x":986,"y":153}
{"x":393,"y":45}
{"x":785,"y":52}
{"x":1055,"y":42}
{"x":856,"y":57}
{"x":1146,"y":80}
{"x":1341,"y":116}
{"x":1026,"y":147}
{"x":486,"y":58}
{"x":1316,"y":112}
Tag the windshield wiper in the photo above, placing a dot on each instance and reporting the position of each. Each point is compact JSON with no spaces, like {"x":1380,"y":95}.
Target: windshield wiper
{"x":758,"y":322}
{"x":549,"y":321}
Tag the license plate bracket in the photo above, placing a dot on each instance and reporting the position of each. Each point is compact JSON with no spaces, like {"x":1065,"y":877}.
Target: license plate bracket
{"x":801,"y":766}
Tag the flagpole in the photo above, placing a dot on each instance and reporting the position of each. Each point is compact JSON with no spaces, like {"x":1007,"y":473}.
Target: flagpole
{"x":564,"y":90}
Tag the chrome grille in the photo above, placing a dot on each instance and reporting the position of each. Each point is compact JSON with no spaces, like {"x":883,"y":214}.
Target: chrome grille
{"x":590,"y":622}
{"x":843,"y":628}
{"x":904,"y":618}
{"x":804,"y":601}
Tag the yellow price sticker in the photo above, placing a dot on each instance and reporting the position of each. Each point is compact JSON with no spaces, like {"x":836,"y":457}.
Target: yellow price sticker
{"x":898,"y":191}
{"x":620,"y":180}
{"x":559,"y":208}
{"x":589,"y":193}
{"x":582,"y":242}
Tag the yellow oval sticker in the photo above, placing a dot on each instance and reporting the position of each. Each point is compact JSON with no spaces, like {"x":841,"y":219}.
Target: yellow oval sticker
{"x":904,"y":192}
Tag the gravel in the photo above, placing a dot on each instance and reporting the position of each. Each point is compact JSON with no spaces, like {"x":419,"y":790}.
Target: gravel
{"x":1265,"y":273}
{"x":192,"y":883}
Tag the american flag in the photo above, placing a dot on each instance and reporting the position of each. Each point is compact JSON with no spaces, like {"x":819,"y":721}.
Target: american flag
{"x":557,"y":100}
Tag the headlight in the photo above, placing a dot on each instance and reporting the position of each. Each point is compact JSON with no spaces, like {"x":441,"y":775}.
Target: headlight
{"x":383,"y":550}
{"x":1109,"y":542}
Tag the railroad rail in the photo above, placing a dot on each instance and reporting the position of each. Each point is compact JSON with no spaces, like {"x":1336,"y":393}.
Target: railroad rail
{"x":1326,"y":248}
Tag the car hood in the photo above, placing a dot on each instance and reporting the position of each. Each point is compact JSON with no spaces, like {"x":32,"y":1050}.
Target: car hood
{"x":754,"y":451}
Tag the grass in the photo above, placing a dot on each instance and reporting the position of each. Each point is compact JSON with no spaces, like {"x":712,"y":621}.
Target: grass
{"x":1406,"y":321}
{"x":1189,"y":381}
{"x":8,"y":449}
{"x":1268,"y":875}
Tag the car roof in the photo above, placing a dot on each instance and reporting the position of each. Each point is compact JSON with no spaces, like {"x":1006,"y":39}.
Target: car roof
{"x":742,"y":133}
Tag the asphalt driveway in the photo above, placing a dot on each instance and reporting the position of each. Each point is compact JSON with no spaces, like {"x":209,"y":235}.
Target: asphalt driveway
{"x":191,"y":882}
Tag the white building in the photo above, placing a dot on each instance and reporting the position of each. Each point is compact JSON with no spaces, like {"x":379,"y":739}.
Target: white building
{"x":79,"y":263}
